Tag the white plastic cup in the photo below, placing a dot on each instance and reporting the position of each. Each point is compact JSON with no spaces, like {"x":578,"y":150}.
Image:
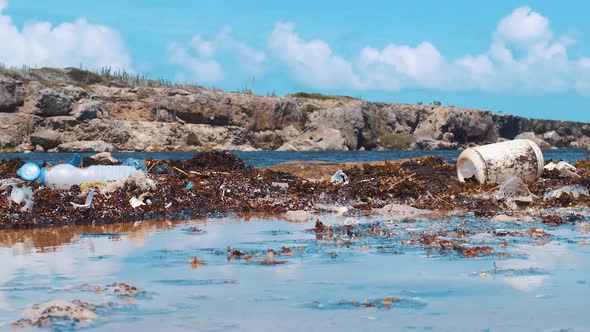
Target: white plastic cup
{"x":496,"y":163}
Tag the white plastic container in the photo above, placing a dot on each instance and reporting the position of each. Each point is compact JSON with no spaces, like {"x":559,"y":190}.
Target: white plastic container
{"x":496,"y":163}
{"x":64,"y":176}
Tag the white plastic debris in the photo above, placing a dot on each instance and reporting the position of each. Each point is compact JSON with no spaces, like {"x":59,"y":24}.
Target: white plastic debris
{"x":576,"y":191}
{"x":516,"y":190}
{"x":498,"y":162}
{"x":87,"y":203}
{"x":17,"y":195}
{"x":337,"y":209}
{"x":7,"y":183}
{"x":565,"y":169}
{"x":22,"y":194}
{"x":339,"y":178}
{"x":136,"y":202}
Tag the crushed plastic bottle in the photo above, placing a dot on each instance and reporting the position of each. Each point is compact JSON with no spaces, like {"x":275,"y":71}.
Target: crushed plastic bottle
{"x":22,"y":194}
{"x":66,"y":175}
{"x":339,"y":178}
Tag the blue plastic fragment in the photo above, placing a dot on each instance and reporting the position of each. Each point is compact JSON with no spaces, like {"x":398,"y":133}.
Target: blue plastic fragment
{"x":76,"y":160}
{"x":189,"y":185}
{"x":138,"y":164}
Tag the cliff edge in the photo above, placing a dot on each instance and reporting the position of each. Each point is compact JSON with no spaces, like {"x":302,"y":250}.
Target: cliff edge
{"x":70,"y":109}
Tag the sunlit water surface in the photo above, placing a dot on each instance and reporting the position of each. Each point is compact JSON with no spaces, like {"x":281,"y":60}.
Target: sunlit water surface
{"x":539,"y":285}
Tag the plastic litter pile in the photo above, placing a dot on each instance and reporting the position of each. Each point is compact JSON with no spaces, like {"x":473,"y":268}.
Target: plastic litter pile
{"x":105,"y":190}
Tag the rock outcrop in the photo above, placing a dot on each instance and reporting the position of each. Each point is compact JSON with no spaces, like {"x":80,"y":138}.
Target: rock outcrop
{"x":320,"y":139}
{"x":11,"y":95}
{"x":47,"y":139}
{"x":85,"y":146}
{"x":48,"y":110}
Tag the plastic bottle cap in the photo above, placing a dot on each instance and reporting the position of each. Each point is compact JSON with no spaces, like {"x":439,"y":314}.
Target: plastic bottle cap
{"x":29,"y":172}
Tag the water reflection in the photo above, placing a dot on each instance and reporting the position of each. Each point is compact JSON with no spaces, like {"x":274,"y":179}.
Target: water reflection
{"x":314,"y":289}
{"x":547,"y":259}
{"x":45,"y":240}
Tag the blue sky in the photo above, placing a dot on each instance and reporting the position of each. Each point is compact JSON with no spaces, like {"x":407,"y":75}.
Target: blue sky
{"x":526,"y":59}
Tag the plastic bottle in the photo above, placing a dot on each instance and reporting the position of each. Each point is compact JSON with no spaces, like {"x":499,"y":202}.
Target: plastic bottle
{"x":65,"y":175}
{"x":496,"y":163}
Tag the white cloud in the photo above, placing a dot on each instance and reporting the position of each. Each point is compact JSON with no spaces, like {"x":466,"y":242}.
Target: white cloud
{"x":67,"y":44}
{"x":401,"y":66}
{"x":198,"y":57}
{"x":524,"y":26}
{"x":311,"y":62}
{"x":524,"y":56}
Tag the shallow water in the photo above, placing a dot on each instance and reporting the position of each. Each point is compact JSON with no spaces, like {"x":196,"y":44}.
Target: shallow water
{"x":527,"y":284}
{"x":267,"y":158}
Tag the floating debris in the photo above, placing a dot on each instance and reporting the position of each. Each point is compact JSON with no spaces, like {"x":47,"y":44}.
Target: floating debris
{"x":195,"y":262}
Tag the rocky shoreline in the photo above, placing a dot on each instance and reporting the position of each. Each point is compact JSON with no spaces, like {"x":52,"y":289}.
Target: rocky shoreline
{"x":74,"y":110}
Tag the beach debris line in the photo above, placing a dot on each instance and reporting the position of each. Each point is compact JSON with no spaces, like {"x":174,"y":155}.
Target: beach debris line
{"x":405,"y":189}
{"x":574,"y":191}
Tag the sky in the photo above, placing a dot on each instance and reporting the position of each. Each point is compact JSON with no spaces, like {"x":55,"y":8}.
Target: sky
{"x":527,"y":59}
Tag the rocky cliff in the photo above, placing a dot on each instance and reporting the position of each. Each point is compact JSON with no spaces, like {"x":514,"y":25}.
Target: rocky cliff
{"x":74,"y":110}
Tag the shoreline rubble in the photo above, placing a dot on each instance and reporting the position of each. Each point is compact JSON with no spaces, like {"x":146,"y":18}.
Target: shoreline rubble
{"x":219,"y":183}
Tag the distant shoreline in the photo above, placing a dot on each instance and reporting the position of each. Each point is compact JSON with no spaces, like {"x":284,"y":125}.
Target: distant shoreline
{"x":58,"y":110}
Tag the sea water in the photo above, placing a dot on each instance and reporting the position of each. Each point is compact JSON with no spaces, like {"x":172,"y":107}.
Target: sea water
{"x":533,"y":285}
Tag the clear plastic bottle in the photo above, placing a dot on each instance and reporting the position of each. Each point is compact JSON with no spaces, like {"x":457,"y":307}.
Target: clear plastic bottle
{"x":64,"y":176}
